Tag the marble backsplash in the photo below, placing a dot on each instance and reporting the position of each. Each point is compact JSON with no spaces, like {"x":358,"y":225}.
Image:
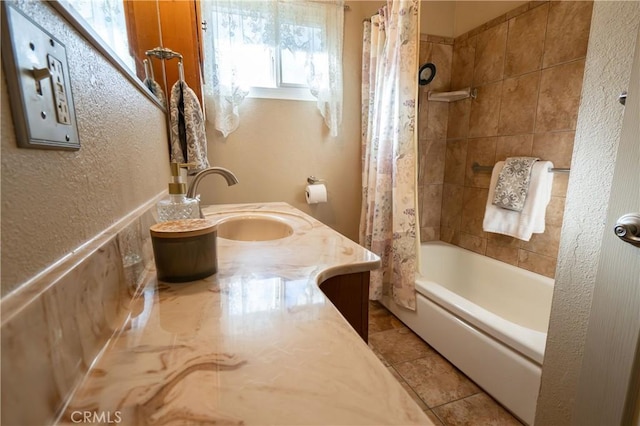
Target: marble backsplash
{"x":54,"y":326}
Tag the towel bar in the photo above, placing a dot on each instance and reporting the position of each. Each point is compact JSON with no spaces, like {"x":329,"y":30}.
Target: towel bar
{"x":477,"y":168}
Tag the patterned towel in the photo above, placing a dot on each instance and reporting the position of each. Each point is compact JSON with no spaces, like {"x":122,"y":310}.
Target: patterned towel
{"x":188,"y":137}
{"x":156,"y":89}
{"x":513,"y":183}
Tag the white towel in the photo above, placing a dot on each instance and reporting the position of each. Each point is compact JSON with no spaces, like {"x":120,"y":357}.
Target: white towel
{"x":531,"y":219}
{"x":187,"y":128}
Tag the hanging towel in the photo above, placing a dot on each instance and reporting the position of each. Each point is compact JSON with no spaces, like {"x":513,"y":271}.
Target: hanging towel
{"x":188,"y":137}
{"x":513,"y":183}
{"x":531,"y":219}
{"x":156,"y":89}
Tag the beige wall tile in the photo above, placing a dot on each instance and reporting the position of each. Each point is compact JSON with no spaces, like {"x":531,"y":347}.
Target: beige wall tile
{"x":513,"y":146}
{"x":447,"y":234}
{"x":470,"y":242}
{"x":458,"y":119}
{"x":560,"y":184}
{"x":423,"y":112}
{"x":462,"y":64}
{"x":559,"y":99}
{"x":567,"y":31}
{"x":525,"y":43}
{"x":556,"y":147}
{"x":441,"y":55}
{"x":505,"y":254}
{"x":437,"y":120}
{"x":555,"y":211}
{"x":546,"y":243}
{"x":431,"y":206}
{"x":543,"y":265}
{"x":485,"y":111}
{"x":518,"y":104}
{"x":422,"y":160}
{"x":518,"y":11}
{"x":452,"y":196}
{"x":434,"y":162}
{"x":483,"y":152}
{"x":503,"y":240}
{"x":473,"y":207}
{"x":425,"y":51}
{"x":455,"y":161}
{"x":429,"y":233}
{"x":490,"y":53}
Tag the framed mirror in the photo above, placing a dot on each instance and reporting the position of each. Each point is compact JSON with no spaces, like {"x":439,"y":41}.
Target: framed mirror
{"x":122,"y":30}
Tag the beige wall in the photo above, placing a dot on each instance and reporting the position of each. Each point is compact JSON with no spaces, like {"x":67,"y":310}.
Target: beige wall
{"x":437,"y":17}
{"x":528,"y":72}
{"x":607,"y":74}
{"x":279,"y":143}
{"x":54,"y":201}
{"x":470,"y":14}
{"x":453,"y":18}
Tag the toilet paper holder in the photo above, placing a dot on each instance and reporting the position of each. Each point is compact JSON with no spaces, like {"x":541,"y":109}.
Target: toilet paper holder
{"x":312,"y":180}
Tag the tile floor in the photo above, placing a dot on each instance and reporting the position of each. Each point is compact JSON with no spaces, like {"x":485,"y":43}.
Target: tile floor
{"x":446,"y":395}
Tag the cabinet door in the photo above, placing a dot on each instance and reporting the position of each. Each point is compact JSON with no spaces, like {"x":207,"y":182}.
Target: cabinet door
{"x":350,"y":294}
{"x":180,"y":23}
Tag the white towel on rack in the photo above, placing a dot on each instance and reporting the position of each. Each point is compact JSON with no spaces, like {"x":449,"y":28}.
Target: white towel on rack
{"x":531,"y":219}
{"x":187,"y":128}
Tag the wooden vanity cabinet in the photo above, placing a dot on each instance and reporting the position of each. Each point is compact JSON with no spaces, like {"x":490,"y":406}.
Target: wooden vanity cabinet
{"x":350,"y":294}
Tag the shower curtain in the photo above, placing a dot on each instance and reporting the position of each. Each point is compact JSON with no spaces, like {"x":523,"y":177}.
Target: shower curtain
{"x":389,"y":90}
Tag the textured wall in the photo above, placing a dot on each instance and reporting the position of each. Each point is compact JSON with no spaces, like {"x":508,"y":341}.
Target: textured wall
{"x":54,"y":201}
{"x":279,"y":143}
{"x":527,"y":66}
{"x":607,"y":74}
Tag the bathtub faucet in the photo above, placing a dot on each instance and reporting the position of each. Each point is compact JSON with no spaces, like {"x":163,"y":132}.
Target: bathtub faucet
{"x":225,"y":173}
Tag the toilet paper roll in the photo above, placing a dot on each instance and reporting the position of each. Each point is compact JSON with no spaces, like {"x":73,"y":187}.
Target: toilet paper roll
{"x":316,"y":193}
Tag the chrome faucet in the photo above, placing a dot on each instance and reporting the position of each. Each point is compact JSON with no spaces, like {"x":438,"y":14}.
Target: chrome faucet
{"x":225,"y":173}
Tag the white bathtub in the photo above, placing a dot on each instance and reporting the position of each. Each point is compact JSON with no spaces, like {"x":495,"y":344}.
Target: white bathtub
{"x":488,"y":318}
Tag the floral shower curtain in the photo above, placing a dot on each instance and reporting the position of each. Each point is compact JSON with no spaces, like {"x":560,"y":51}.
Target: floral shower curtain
{"x":389,"y":89}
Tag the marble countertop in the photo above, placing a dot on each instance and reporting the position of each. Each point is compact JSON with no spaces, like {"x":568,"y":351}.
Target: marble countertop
{"x":256,"y":343}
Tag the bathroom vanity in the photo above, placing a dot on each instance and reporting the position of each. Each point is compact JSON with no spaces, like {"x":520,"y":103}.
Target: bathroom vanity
{"x":259,"y":342}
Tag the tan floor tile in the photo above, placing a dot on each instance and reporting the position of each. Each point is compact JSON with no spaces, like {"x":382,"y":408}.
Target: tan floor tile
{"x":407,"y":388}
{"x":435,"y":380}
{"x":399,"y":345}
{"x":380,"y":319}
{"x":432,"y":416}
{"x":479,"y":409}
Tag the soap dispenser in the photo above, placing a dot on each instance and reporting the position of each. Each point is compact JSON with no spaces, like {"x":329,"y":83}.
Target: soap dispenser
{"x":178,"y":206}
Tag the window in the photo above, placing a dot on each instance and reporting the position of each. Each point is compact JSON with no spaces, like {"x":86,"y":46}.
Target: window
{"x":290,"y":49}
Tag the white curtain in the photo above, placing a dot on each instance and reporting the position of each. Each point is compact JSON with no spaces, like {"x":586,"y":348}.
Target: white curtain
{"x":388,"y":224}
{"x":239,"y":31}
{"x":107,"y":18}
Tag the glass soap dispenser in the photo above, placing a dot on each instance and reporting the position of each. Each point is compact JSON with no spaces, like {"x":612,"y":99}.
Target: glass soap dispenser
{"x":178,"y":206}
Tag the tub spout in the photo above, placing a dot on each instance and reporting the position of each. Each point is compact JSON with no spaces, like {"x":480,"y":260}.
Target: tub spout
{"x":225,"y":173}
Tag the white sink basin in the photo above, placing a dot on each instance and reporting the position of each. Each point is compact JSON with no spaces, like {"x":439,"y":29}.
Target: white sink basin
{"x":253,"y":228}
{"x":258,"y":225}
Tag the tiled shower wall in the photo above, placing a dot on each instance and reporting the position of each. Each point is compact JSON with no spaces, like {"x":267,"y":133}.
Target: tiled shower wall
{"x":527,"y":66}
{"x":432,"y":134}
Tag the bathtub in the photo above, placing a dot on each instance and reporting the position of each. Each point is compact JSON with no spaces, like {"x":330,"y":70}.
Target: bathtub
{"x":487,"y":317}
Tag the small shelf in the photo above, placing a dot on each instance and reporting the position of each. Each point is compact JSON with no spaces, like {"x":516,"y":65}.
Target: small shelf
{"x":453,"y":96}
